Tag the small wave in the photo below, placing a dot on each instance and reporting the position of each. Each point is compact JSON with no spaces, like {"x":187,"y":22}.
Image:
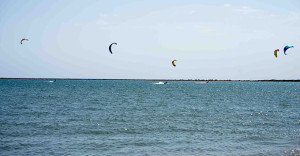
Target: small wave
{"x":292,"y":152}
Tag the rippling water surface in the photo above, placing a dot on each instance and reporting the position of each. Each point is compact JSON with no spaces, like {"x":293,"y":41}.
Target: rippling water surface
{"x":79,"y":117}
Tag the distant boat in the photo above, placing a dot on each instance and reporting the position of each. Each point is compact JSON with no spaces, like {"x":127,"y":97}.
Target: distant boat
{"x":161,"y":83}
{"x":202,"y":82}
{"x":52,"y":81}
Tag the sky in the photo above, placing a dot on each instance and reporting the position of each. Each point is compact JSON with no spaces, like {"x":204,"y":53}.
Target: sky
{"x":232,"y":39}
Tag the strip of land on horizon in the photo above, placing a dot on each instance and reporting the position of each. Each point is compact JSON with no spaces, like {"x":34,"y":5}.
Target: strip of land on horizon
{"x":271,"y":80}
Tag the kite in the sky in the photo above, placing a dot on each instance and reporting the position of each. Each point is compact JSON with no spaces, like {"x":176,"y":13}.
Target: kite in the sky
{"x":110,"y":47}
{"x":173,"y":63}
{"x":275,"y":52}
{"x":286,"y":48}
{"x":23,"y":40}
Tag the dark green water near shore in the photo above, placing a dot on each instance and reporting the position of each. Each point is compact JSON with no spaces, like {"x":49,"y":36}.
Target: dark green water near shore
{"x":112,"y":117}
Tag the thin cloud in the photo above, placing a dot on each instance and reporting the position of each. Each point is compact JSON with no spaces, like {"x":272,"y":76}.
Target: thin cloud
{"x":227,"y":5}
{"x":245,"y":9}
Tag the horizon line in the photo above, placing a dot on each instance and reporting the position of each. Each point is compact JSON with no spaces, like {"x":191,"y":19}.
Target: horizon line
{"x":258,"y":80}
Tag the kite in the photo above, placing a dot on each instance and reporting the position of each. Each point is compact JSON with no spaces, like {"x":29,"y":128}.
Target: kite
{"x":110,"y":47}
{"x":275,"y":52}
{"x":286,"y":48}
{"x":173,"y":62}
{"x":23,"y":40}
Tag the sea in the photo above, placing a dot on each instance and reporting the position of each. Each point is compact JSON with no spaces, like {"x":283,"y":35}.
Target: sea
{"x":133,"y":117}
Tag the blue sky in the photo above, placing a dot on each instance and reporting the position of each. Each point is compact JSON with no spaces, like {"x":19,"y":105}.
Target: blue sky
{"x":210,"y":39}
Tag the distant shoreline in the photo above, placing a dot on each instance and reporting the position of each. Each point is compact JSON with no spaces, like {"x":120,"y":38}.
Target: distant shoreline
{"x":271,"y":80}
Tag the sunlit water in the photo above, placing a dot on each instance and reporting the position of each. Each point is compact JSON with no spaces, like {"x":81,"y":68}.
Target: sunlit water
{"x":78,"y":117}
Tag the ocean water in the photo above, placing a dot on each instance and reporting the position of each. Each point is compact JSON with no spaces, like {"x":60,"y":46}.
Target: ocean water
{"x":112,"y":117}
